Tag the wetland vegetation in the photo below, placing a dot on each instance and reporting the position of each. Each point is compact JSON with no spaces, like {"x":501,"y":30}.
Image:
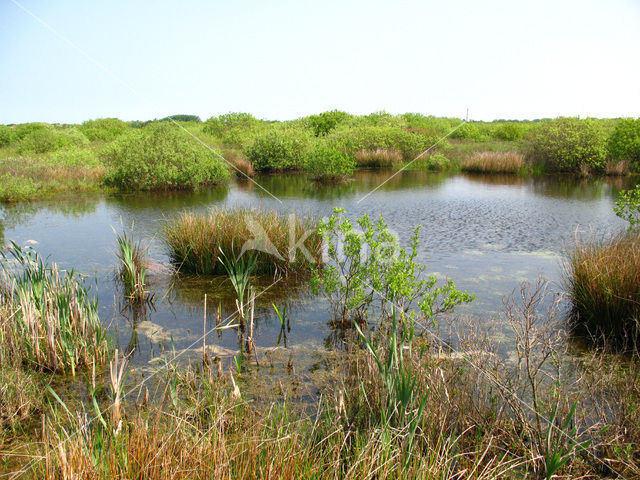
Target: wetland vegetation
{"x":409,"y":381}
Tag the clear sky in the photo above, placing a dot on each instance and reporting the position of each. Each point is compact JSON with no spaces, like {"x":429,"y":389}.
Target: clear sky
{"x":282,"y":60}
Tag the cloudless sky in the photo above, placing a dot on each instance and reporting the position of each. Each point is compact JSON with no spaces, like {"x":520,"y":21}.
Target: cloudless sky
{"x":282,"y":60}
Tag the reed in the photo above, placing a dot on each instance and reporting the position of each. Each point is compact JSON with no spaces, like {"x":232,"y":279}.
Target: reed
{"x":48,"y":320}
{"x":197,"y":241}
{"x":603,"y":279}
{"x":133,"y":267}
{"x":494,"y":162}
{"x":380,"y":158}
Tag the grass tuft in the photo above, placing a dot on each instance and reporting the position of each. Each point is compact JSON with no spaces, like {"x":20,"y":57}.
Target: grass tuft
{"x":197,"y":241}
{"x":494,"y":162}
{"x":380,"y":158}
{"x":604,"y":282}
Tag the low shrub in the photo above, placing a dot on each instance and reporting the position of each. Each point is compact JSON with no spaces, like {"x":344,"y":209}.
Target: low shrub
{"x":197,"y":241}
{"x":324,"y":122}
{"x":509,"y":131}
{"x":569,"y":145}
{"x":604,"y":284}
{"x":436,"y":162}
{"x":161,"y":157}
{"x":628,"y":206}
{"x":494,"y":162}
{"x":74,"y":157}
{"x":103,"y":129}
{"x":624,"y":142}
{"x":16,"y":188}
{"x":7,"y":135}
{"x":380,"y":157}
{"x":43,"y":140}
{"x":278,"y":149}
{"x":468,"y":131}
{"x":325,"y":162}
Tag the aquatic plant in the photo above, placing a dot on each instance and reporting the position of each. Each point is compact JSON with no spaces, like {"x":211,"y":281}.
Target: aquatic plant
{"x":239,"y":268}
{"x":280,"y":243}
{"x":603,"y":280}
{"x":48,"y":319}
{"x":494,"y":162}
{"x":133,"y":267}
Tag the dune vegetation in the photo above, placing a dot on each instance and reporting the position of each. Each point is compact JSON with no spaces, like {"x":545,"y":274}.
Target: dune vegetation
{"x":182,"y":152}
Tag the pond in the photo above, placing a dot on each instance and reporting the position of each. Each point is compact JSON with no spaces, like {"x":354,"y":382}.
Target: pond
{"x":488,"y":233}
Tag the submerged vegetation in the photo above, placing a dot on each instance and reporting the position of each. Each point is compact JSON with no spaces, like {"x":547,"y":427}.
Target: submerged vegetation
{"x":181,"y":152}
{"x":281,"y":244}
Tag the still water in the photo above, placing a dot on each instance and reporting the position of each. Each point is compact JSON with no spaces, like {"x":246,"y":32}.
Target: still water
{"x":488,"y":233}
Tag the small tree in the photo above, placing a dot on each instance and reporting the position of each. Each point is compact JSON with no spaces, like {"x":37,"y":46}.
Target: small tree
{"x":326,"y":163}
{"x":628,"y":206}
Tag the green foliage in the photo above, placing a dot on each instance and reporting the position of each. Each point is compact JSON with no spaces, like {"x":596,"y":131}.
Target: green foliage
{"x":509,"y":131}
{"x":363,"y":267}
{"x":24,"y":129}
{"x":43,"y":140}
{"x":161,"y":156}
{"x":628,"y":206}
{"x":278,"y":150}
{"x":217,"y":126}
{"x":468,"y":131}
{"x":7,"y":135}
{"x":55,"y":323}
{"x":103,"y":129}
{"x":182,"y":118}
{"x":624,"y":142}
{"x":16,"y":188}
{"x":133,"y":268}
{"x":435,"y":162}
{"x":569,"y":145}
{"x":325,"y":162}
{"x":353,"y":140}
{"x":324,"y":122}
{"x":74,"y":157}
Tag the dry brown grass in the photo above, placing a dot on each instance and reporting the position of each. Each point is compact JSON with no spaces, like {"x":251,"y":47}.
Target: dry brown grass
{"x":494,"y":162}
{"x":380,"y":157}
{"x":618,"y":168}
{"x":243,"y":166}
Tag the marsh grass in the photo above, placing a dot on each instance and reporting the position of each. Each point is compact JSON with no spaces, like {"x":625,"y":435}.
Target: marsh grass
{"x":240,"y":162}
{"x":49,"y":321}
{"x":197,"y":241}
{"x":494,"y":162}
{"x":133,"y":267}
{"x":603,"y":280}
{"x":378,"y":158}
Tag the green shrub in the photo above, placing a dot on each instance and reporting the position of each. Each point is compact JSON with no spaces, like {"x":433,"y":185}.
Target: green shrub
{"x":182,"y":118}
{"x":628,"y":206}
{"x":103,"y":129}
{"x":431,"y":162}
{"x":16,"y":188}
{"x":326,"y":162}
{"x":7,"y":135}
{"x":353,"y":140}
{"x":509,"y":131}
{"x":74,"y":157}
{"x":24,"y":129}
{"x":624,"y":142}
{"x":43,"y":140}
{"x":324,"y":122}
{"x":569,"y":145}
{"x":217,"y":126}
{"x":161,"y":156}
{"x":428,"y":124}
{"x":278,"y":150}
{"x":468,"y":131}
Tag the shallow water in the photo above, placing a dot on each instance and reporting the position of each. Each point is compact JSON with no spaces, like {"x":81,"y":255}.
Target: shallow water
{"x":488,"y":233}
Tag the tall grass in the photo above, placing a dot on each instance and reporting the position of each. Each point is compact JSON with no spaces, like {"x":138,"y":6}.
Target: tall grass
{"x":494,"y":162}
{"x":379,"y":157}
{"x":133,"y":267}
{"x":603,"y":279}
{"x":48,"y":320}
{"x":196,"y":241}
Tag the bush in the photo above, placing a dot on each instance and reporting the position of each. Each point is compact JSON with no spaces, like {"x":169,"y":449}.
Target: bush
{"x":569,"y":145}
{"x":7,"y":135}
{"x":604,"y":282}
{"x":509,"y":131}
{"x":103,"y":129}
{"x":43,"y":140}
{"x":74,"y":157}
{"x":217,"y":126}
{"x":161,"y":156}
{"x":624,"y":142}
{"x":628,"y":206}
{"x":468,"y":131}
{"x":324,"y":122}
{"x":278,"y":150}
{"x":182,"y":118}
{"x":353,"y":140}
{"x":16,"y":188}
{"x":325,"y":162}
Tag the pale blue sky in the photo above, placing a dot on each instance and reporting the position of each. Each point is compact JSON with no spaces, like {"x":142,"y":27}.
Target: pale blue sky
{"x":282,"y":60}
